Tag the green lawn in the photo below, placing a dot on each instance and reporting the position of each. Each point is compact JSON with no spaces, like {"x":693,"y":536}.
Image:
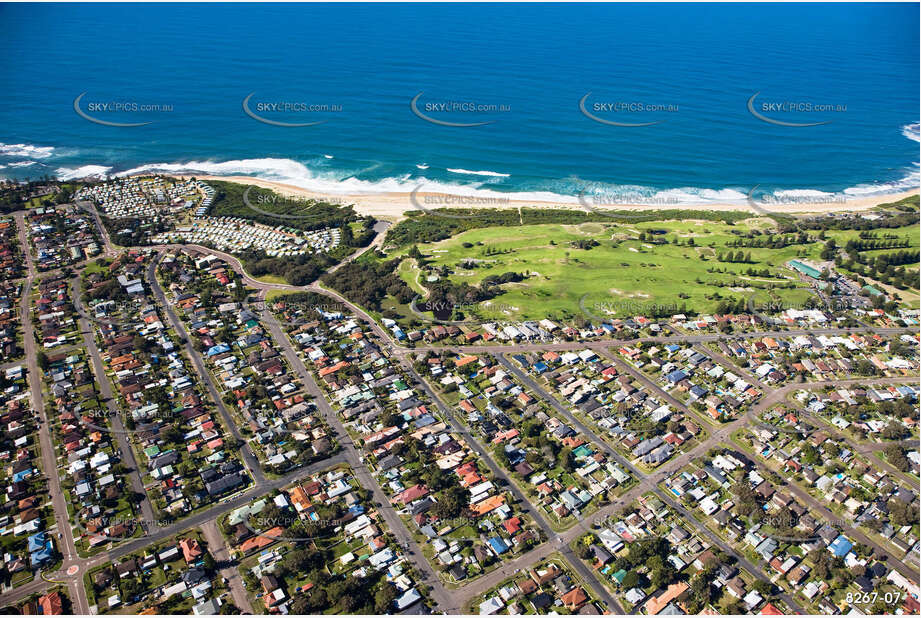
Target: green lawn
{"x":271,"y":279}
{"x":621,"y":276}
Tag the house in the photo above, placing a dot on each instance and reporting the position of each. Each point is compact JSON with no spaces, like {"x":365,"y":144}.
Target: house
{"x":658,"y":603}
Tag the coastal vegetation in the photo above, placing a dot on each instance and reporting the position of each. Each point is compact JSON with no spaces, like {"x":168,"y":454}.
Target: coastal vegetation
{"x":277,"y":210}
{"x":444,"y":223}
{"x":33,"y":193}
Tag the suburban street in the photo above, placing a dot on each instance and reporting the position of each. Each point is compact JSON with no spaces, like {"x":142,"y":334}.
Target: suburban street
{"x":249,"y":459}
{"x":448,"y":599}
{"x":521,"y":500}
{"x":122,"y":438}
{"x":441,"y":595}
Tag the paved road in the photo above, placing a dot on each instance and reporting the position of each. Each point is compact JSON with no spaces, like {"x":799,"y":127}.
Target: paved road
{"x":650,"y":386}
{"x":217,"y":547}
{"x":446,"y":601}
{"x":196,"y":520}
{"x":204,"y":376}
{"x":120,"y":435}
{"x":586,"y":431}
{"x":523,"y":503}
{"x":65,"y":544}
{"x":89,"y":207}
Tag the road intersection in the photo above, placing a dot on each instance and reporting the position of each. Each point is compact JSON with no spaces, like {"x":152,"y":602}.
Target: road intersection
{"x":448,"y":600}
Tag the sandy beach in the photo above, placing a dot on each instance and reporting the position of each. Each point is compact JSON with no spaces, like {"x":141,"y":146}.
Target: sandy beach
{"x":392,"y":206}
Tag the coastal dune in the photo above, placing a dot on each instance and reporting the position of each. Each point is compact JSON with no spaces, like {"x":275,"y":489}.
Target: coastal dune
{"x":393,"y":206}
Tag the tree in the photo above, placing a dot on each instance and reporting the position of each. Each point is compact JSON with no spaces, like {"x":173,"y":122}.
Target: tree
{"x":895,"y":455}
{"x":764,"y":588}
{"x":567,"y":459}
{"x":384,"y":598}
{"x":631,"y":579}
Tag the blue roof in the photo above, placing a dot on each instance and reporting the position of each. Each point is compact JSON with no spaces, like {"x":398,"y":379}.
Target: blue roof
{"x":676,"y":376}
{"x":497,"y":544}
{"x":42,"y":554}
{"x":540,"y":367}
{"x":673,"y":347}
{"x":36,"y":541}
{"x":840,"y":546}
{"x":218,"y":349}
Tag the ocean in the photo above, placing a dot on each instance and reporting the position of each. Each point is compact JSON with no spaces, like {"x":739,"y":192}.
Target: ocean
{"x":663,"y":103}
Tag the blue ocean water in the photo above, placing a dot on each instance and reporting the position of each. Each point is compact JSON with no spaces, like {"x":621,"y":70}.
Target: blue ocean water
{"x":689,"y":69}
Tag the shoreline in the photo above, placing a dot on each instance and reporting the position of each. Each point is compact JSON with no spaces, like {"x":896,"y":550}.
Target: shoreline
{"x":394,"y":205}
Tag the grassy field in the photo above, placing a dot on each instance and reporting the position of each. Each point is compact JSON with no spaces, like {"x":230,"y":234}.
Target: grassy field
{"x":622,"y":275}
{"x":271,"y":279}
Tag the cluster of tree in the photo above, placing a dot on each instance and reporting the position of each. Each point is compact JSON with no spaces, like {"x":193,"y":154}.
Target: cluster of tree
{"x":731,"y":306}
{"x":772,"y":241}
{"x":449,"y":295}
{"x":489,"y":250}
{"x":748,"y":502}
{"x":349,"y":238}
{"x":295,"y":269}
{"x":352,"y":594}
{"x":14,"y":195}
{"x":887,"y":268}
{"x":857,"y":222}
{"x":133,"y":232}
{"x":506,"y":277}
{"x":830,"y":250}
{"x":895,"y":455}
{"x":368,"y":281}
{"x":737,"y":257}
{"x":650,"y":555}
{"x":867,"y":243}
{"x":110,"y":289}
{"x":653,"y":236}
{"x":421,"y":227}
{"x":829,"y":568}
{"x":277,"y":210}
{"x":585,"y":243}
